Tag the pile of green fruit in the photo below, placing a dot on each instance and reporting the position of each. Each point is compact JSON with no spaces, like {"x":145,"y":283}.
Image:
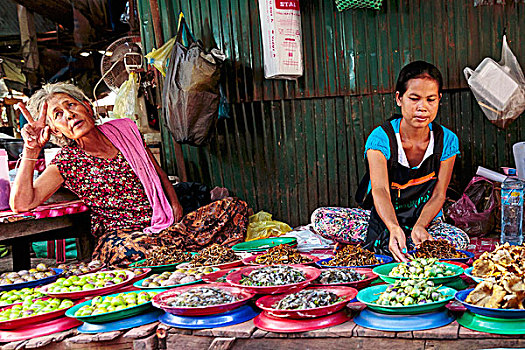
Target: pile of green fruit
{"x":79,"y":268}
{"x":22,"y":276}
{"x":34,"y":307}
{"x":88,"y":282}
{"x":421,"y":268}
{"x":18,"y":296}
{"x":410,"y":292}
{"x":101,"y":305}
{"x":179,"y":276}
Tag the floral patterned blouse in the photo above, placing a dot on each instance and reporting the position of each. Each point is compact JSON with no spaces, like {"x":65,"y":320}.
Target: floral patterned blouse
{"x":109,"y":187}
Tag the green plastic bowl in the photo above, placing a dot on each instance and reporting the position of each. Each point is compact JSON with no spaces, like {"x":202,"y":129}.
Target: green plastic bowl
{"x":383,"y":271}
{"x":156,"y":268}
{"x":260,"y":245}
{"x":492,"y":325}
{"x":369,"y":295}
{"x":138,"y":284}
{"x":113,"y":315}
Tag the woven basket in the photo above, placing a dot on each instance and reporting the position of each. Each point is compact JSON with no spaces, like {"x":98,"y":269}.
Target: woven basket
{"x":357,"y":4}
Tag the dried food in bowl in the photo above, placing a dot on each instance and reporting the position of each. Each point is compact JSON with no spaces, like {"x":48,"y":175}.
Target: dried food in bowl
{"x":276,"y":275}
{"x":282,"y":254}
{"x":213,"y":255}
{"x":353,"y":255}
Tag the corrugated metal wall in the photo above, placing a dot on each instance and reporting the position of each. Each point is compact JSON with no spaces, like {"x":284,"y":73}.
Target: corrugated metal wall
{"x":290,"y":147}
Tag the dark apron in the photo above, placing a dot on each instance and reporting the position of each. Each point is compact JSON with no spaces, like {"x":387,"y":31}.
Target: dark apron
{"x":410,"y":190}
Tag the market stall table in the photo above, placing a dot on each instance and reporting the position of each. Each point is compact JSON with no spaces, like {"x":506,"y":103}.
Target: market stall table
{"x":247,"y":336}
{"x":48,"y":222}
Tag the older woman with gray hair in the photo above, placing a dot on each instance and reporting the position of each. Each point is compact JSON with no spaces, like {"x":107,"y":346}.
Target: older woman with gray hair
{"x":134,"y":206}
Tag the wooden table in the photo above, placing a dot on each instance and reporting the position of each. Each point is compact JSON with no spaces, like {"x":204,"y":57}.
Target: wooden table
{"x":20,"y":234}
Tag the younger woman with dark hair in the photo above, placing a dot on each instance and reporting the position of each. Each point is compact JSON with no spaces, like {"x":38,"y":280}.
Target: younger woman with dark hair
{"x":409,"y":161}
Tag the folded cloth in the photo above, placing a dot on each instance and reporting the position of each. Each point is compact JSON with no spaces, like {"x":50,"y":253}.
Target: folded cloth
{"x":124,"y":134}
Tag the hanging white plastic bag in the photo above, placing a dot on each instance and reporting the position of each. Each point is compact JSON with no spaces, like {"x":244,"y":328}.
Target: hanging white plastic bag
{"x":499,"y":87}
{"x":126,"y":102}
{"x":281,"y":36}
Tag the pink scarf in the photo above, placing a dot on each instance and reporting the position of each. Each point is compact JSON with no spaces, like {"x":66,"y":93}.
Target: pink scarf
{"x":124,"y":134}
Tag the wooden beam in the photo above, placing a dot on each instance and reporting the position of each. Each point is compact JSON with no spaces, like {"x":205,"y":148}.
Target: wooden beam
{"x":29,"y":44}
{"x":59,"y":11}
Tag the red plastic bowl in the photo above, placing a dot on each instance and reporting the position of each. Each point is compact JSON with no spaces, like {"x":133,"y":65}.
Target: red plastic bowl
{"x":91,"y":292}
{"x":311,"y":274}
{"x":224,"y":266}
{"x":214,"y":276}
{"x":31,"y":320}
{"x":370,"y":277}
{"x":251,"y":260}
{"x":346,"y":293}
{"x":46,"y":328}
{"x":281,"y":325}
{"x":161,"y":301}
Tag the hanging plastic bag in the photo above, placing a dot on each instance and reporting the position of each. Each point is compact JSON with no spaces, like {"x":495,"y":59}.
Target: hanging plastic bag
{"x":499,"y":87}
{"x":191,"y":90}
{"x":159,"y":58}
{"x":475,"y":212}
{"x":343,"y":5}
{"x":262,"y":226}
{"x":126,"y":101}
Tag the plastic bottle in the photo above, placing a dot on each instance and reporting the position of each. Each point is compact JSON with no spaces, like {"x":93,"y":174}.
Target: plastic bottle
{"x":512,"y":211}
{"x":5,"y":187}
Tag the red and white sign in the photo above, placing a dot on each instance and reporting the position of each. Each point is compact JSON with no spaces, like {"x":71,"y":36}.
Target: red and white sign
{"x":281,"y":33}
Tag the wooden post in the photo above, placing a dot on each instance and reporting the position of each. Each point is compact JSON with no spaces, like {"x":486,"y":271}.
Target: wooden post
{"x":159,"y":41}
{"x":28,"y":39}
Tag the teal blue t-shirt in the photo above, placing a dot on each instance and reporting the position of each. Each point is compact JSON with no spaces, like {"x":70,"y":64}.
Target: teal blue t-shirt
{"x":378,"y":140}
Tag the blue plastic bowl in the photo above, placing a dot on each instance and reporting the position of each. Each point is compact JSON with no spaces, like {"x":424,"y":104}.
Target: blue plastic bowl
{"x":131,"y":322}
{"x":239,"y":315}
{"x":403,"y":323}
{"x":468,"y":272}
{"x":462,"y":260}
{"x":487,"y":311}
{"x":32,"y":284}
{"x":384,"y":259}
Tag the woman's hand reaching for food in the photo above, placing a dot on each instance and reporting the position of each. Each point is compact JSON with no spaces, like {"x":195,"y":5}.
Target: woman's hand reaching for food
{"x":397,"y":244}
{"x":35,"y":133}
{"x":419,"y":235}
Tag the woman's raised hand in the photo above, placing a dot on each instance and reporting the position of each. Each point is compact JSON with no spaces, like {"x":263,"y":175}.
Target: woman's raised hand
{"x":35,"y":133}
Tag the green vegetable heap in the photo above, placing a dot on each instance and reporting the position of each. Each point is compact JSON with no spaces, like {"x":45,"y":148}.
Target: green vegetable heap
{"x":18,"y":296}
{"x":88,"y":282}
{"x":33,"y":308}
{"x":421,"y":268}
{"x":410,"y":292}
{"x":101,"y":305}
